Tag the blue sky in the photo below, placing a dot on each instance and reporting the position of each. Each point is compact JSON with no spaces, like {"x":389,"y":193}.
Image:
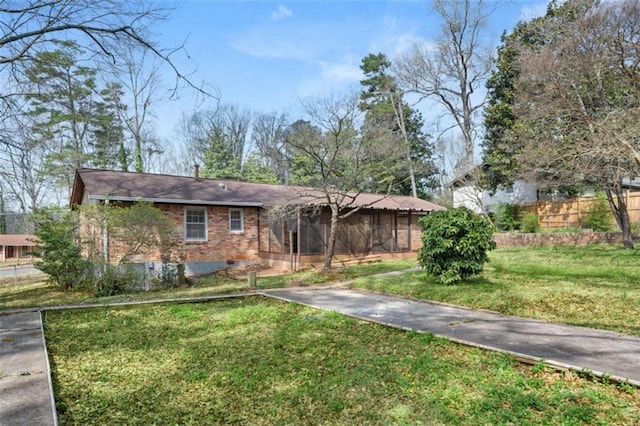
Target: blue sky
{"x":266,"y":55}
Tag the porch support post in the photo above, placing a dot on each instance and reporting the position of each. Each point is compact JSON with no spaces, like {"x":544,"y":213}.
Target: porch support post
{"x":371,"y":225}
{"x":324,"y":236}
{"x":299,"y":239}
{"x":395,"y":232}
{"x":409,"y":231}
{"x":283,"y":237}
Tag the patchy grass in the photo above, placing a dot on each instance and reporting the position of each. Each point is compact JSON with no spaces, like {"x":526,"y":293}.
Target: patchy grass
{"x":257,"y":361}
{"x":595,"y":286}
{"x":33,"y":291}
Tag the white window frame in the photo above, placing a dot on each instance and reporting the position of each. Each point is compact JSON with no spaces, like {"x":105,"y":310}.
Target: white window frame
{"x":231,"y":229}
{"x":206,"y":224}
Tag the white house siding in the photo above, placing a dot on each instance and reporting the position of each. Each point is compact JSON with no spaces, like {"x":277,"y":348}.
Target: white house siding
{"x":470,"y":197}
{"x":522,"y":193}
{"x":482,"y":201}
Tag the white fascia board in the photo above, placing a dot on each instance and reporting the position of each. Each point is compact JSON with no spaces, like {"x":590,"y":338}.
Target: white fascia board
{"x":174,"y":201}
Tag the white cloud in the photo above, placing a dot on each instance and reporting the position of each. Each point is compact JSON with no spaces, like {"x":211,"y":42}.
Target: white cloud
{"x":281,"y":12}
{"x":265,"y":45}
{"x":534,"y":10}
{"x":331,"y":77}
{"x":341,"y":72}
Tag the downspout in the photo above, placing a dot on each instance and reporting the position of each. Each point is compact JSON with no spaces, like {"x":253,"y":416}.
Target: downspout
{"x":105,"y":235}
{"x":298,"y":228}
{"x":259,"y":230}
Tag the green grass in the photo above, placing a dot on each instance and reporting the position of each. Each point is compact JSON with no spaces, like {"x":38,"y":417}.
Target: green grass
{"x":34,"y":291}
{"x":595,"y":286}
{"x":257,"y":361}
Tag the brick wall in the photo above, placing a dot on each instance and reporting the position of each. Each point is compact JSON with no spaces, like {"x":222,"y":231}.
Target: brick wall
{"x":221,"y":244}
{"x":506,"y":240}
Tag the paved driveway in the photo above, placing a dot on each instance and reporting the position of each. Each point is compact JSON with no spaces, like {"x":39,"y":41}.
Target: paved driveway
{"x":602,"y":352}
{"x":20,"y":270}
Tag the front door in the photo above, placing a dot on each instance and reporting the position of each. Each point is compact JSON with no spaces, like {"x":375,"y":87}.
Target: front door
{"x":10,"y":252}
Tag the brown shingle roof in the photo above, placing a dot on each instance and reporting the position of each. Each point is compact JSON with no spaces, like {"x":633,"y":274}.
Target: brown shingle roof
{"x":17,"y":240}
{"x":126,"y":186}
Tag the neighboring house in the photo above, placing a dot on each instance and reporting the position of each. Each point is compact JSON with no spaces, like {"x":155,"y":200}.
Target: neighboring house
{"x":467,"y":193}
{"x":227,"y":222}
{"x":16,"y":246}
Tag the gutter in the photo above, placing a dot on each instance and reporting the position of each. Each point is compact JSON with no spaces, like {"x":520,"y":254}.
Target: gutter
{"x":175,"y":201}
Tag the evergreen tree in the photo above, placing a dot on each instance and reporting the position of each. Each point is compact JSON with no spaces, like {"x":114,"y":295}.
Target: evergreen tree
{"x":62,"y":110}
{"x":499,"y":151}
{"x":388,"y":116}
{"x":109,"y":150}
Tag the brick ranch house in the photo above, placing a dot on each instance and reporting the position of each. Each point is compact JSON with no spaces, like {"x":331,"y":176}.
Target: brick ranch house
{"x":14,"y":247}
{"x":223,"y":222}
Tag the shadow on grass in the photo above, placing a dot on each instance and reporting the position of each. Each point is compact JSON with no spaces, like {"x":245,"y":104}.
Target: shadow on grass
{"x":259,"y":361}
{"x":618,"y":277}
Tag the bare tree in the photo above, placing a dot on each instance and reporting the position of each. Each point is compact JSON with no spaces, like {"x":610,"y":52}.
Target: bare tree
{"x":21,"y":162}
{"x":331,"y":156}
{"x":217,"y":139}
{"x":577,"y":103}
{"x":268,"y":136}
{"x":451,"y":72}
{"x":102,"y":28}
{"x":140,"y":79}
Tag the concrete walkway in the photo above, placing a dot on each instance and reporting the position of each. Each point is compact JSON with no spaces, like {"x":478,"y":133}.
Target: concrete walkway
{"x":603,"y":353}
{"x":26,"y":395}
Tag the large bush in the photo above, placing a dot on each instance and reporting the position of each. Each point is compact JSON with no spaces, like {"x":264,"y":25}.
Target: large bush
{"x":59,"y":250}
{"x":73,"y":262}
{"x":455,"y":244}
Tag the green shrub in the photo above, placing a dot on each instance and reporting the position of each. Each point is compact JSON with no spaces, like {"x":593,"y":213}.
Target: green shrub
{"x":111,"y":280}
{"x":507,"y":217}
{"x":59,"y":250}
{"x":530,"y":222}
{"x":455,"y":244}
{"x":598,"y":217}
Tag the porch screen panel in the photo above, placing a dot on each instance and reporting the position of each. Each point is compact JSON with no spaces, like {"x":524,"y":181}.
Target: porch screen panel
{"x":403,"y":236}
{"x":354,"y":235}
{"x":360,"y":234}
{"x":383,"y":232}
{"x":342,"y":238}
{"x":311,"y":235}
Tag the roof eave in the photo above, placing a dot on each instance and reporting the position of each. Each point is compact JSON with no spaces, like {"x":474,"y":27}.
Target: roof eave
{"x":174,"y":201}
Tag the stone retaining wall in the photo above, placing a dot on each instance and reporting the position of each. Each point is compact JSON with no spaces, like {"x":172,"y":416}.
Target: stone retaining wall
{"x":506,"y":240}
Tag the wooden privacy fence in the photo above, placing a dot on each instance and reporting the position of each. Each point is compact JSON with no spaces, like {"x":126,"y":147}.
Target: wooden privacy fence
{"x":567,"y":213}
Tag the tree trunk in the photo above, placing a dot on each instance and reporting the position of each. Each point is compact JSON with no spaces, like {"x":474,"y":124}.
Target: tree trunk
{"x":399,"y":114}
{"x":331,"y":243}
{"x":620,"y":213}
{"x":138,"y":155}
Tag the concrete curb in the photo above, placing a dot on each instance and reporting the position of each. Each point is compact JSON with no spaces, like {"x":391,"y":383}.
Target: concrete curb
{"x":49,"y":380}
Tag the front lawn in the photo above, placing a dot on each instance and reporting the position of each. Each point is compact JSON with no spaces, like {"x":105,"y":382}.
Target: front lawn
{"x":260,"y":361}
{"x":33,"y":291}
{"x":595,"y":286}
